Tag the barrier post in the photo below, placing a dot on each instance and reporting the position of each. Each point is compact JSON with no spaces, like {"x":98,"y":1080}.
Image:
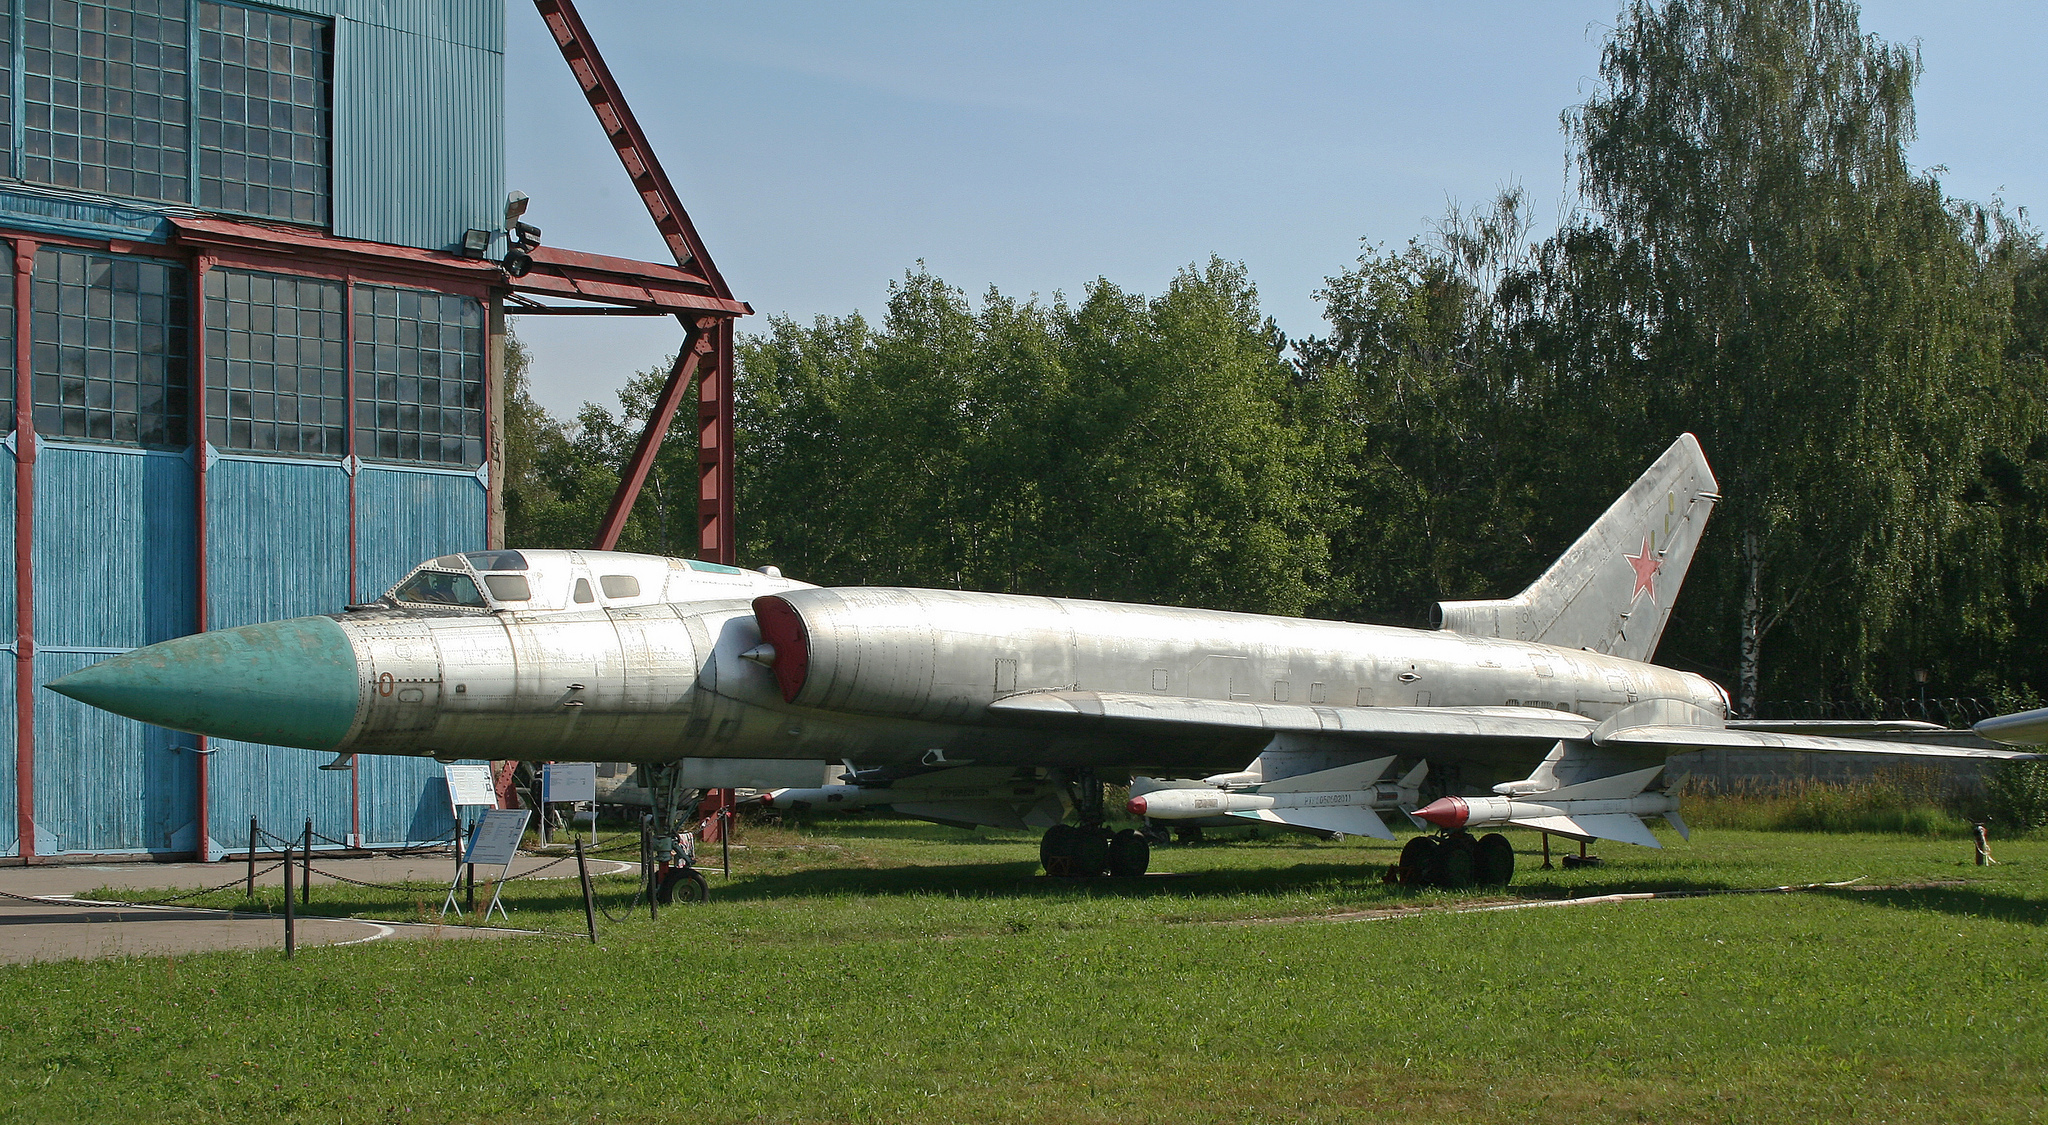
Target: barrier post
{"x":290,"y":930}
{"x":469,"y":877}
{"x":306,"y":872}
{"x":250,"y":890}
{"x":589,"y":901}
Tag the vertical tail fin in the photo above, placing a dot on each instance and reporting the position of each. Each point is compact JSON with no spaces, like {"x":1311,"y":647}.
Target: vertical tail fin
{"x":1612,"y":590}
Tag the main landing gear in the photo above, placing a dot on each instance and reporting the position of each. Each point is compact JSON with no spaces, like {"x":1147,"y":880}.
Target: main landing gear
{"x":1089,"y":849}
{"x":1456,"y":859}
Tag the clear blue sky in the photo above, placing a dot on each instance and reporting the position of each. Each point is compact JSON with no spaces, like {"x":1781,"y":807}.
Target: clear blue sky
{"x":824,"y":148}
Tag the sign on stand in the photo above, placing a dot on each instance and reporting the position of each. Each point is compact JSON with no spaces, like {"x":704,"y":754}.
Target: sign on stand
{"x":495,"y":841}
{"x":569,"y":783}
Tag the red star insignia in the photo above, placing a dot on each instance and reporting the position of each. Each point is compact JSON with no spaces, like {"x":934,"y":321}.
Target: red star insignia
{"x":1646,"y":566}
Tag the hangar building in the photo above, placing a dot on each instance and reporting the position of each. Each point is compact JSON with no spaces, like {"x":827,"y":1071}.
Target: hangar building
{"x":254,"y":326}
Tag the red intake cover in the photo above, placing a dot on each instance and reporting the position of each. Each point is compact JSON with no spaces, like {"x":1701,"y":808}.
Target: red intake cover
{"x":782,"y":628}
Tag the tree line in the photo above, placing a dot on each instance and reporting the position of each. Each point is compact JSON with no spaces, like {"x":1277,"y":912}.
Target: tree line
{"x":1752,"y":258}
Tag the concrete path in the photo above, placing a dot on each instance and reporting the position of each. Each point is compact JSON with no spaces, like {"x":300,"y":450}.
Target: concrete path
{"x":42,"y":917}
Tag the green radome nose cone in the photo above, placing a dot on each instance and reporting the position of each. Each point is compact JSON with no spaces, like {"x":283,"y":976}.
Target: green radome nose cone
{"x":287,"y":683}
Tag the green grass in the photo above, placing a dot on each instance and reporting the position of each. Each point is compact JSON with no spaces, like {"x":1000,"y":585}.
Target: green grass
{"x":872,"y":970}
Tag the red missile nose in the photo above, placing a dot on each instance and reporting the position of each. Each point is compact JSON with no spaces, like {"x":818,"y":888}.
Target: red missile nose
{"x":1447,"y":812}
{"x":1136,"y":806}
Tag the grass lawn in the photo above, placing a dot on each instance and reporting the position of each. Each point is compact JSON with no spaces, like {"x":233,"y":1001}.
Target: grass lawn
{"x":874,"y":970}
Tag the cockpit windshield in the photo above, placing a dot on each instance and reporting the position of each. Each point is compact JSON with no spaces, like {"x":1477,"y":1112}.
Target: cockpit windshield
{"x":438,"y":587}
{"x":496,"y":560}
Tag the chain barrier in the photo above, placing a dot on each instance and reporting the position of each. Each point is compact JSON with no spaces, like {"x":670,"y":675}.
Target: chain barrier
{"x":298,"y":842}
{"x":182,"y":896}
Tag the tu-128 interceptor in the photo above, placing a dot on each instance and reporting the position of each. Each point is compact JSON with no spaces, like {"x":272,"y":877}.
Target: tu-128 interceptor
{"x":1540,"y":710}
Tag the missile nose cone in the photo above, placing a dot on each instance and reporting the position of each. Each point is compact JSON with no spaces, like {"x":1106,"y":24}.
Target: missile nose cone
{"x":1445,"y":812}
{"x":1135,"y":806}
{"x":287,"y":683}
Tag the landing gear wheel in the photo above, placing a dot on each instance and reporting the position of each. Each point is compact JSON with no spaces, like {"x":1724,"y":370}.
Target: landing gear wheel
{"x":1130,"y":853}
{"x":1157,"y":833}
{"x":1418,"y":858}
{"x":1192,"y":834}
{"x":685,"y":883}
{"x":1496,"y":860}
{"x":1059,"y":850}
{"x":1091,"y":858}
{"x":1456,"y":861}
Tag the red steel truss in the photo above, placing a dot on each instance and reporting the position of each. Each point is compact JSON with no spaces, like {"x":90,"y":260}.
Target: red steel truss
{"x":706,"y":355}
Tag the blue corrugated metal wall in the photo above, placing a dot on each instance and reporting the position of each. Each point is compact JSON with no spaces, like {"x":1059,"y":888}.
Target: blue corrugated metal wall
{"x":105,"y":784}
{"x":404,"y":516}
{"x":419,"y":120}
{"x":276,"y":540}
{"x":276,"y":546}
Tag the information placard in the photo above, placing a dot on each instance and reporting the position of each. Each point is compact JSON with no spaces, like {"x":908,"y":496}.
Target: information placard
{"x":569,"y":783}
{"x":496,"y":839}
{"x":469,"y":785}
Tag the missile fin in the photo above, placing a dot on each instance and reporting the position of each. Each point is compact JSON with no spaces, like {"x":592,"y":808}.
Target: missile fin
{"x":1624,"y":827}
{"x":1413,"y":778}
{"x":1678,"y":822}
{"x":1555,"y":825}
{"x":1604,"y":788}
{"x":1359,"y":775}
{"x":1351,"y":820}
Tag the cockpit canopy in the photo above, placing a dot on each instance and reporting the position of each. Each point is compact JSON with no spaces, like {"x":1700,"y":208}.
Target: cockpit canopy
{"x":570,"y":581}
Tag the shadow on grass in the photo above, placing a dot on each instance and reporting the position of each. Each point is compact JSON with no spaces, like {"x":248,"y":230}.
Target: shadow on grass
{"x":1968,"y":902}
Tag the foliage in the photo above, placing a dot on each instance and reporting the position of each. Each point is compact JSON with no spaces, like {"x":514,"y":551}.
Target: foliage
{"x":1906,"y":802}
{"x":1126,"y":448}
{"x":2016,"y":795}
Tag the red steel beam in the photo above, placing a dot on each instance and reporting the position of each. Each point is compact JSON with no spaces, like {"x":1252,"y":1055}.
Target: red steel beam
{"x":24,"y":559}
{"x":707,"y":349}
{"x":623,"y":130}
{"x":689,"y":362}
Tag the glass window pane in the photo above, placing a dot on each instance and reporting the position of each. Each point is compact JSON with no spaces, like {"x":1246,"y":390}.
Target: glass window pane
{"x":115,"y":362}
{"x":263,"y":133}
{"x":419,"y":375}
{"x":265,"y":335}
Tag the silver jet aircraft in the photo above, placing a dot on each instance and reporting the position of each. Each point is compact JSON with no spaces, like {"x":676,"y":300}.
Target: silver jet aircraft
{"x":1539,"y":710}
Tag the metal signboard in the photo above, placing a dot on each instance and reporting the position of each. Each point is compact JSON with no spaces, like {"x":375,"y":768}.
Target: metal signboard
{"x":469,"y":785}
{"x":569,"y":783}
{"x":496,"y":839}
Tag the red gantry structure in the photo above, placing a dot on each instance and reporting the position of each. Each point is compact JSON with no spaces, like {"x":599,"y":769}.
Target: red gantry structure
{"x":706,"y":355}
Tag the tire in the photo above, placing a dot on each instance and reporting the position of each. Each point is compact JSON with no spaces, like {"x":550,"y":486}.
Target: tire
{"x":1130,"y":853}
{"x":685,"y":883}
{"x":1418,"y":861}
{"x":1457,"y":861}
{"x":1496,"y":861}
{"x":1091,"y":858}
{"x":1059,"y":849}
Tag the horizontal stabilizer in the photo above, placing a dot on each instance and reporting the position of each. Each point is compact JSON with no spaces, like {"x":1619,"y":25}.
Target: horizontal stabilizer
{"x":1350,"y":820}
{"x":1343,"y":779}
